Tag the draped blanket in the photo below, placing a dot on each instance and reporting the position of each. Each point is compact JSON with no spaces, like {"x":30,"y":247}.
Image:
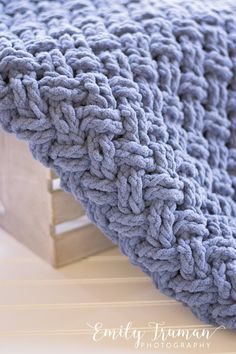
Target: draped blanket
{"x":133,"y":104}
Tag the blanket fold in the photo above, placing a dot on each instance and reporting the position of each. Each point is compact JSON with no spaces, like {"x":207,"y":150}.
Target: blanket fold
{"x":133,"y":104}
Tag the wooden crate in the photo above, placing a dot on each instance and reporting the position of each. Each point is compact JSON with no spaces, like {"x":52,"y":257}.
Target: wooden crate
{"x":38,"y":213}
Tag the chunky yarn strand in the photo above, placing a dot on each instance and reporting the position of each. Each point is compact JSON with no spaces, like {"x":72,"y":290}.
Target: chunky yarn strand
{"x":133,"y":104}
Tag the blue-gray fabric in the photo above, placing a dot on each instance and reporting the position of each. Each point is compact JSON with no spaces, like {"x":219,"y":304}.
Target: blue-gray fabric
{"x":133,"y":104}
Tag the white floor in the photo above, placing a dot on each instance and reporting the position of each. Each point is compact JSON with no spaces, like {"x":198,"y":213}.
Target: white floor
{"x":44,"y":310}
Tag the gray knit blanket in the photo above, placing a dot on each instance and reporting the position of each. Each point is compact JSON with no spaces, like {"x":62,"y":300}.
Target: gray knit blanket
{"x":133,"y":104}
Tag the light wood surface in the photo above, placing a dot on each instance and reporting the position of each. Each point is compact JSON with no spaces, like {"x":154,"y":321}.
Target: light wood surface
{"x":47,"y":310}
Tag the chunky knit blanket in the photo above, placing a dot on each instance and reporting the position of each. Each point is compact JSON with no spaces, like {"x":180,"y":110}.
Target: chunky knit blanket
{"x":133,"y":104}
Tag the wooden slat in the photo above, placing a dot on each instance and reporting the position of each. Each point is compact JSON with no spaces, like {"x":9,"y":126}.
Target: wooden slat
{"x":83,"y":293}
{"x":77,"y":317}
{"x":64,"y":207}
{"x":40,"y":270}
{"x":79,"y":244}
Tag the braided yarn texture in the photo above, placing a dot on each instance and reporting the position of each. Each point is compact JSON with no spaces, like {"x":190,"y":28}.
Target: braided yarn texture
{"x":133,"y":104}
